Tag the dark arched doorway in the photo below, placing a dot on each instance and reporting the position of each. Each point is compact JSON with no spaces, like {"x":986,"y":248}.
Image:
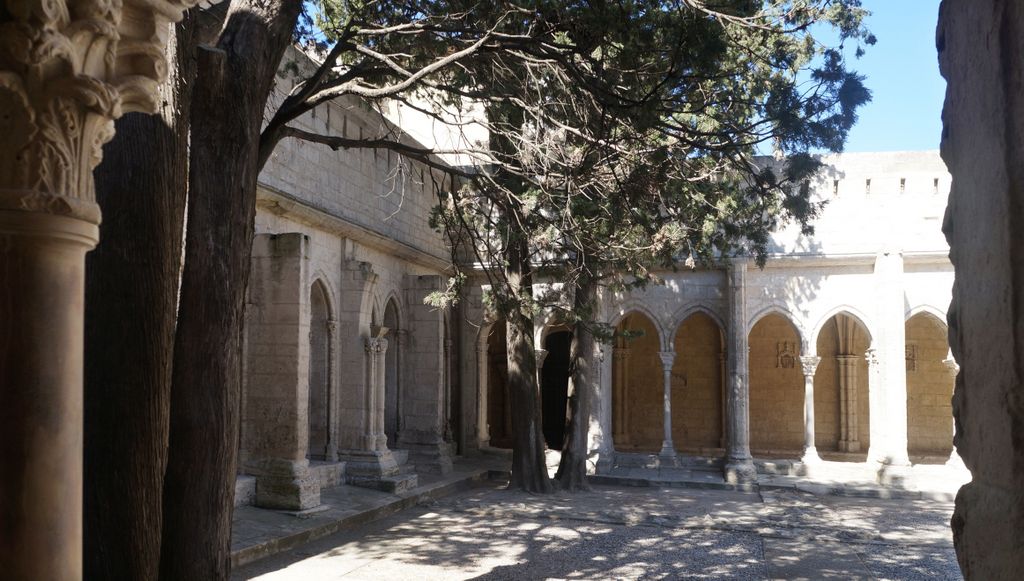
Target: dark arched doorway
{"x":554,"y":387}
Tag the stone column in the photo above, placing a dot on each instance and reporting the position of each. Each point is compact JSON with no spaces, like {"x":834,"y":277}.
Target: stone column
{"x":849,"y":431}
{"x":668,"y":450}
{"x":739,"y":466}
{"x":954,"y":458}
{"x":620,"y":401}
{"x":379,"y":353}
{"x":482,"y":386}
{"x":332,"y":389}
{"x":892,"y":422}
{"x":66,"y":72}
{"x":541,"y":355}
{"x":723,"y":388}
{"x":446,"y":380}
{"x":875,"y":448}
{"x":375,"y":420}
{"x":809,"y":365}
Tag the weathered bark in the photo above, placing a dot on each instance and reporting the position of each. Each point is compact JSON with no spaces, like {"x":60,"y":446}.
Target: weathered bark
{"x":131,"y":289}
{"x":572,"y":468}
{"x":235,"y":79}
{"x":529,"y":470}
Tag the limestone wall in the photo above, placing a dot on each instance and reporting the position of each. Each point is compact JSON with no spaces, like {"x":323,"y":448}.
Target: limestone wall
{"x":929,"y":389}
{"x":776,"y":386}
{"x":697,"y":385}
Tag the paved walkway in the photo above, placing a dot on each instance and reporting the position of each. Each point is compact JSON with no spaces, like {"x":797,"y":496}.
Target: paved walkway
{"x":615,"y":532}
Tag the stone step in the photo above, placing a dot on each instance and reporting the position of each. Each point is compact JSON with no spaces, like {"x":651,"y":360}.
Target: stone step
{"x":393,"y":484}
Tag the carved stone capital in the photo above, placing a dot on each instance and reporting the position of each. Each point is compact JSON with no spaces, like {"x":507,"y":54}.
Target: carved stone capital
{"x":809,"y":364}
{"x":375,"y":345}
{"x":67,"y":70}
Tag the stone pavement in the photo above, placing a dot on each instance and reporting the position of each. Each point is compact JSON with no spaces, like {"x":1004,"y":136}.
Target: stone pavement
{"x":257,"y":533}
{"x":921,"y":481}
{"x":615,"y":532}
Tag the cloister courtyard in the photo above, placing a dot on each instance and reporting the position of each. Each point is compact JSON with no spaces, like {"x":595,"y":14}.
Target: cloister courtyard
{"x":617,"y":532}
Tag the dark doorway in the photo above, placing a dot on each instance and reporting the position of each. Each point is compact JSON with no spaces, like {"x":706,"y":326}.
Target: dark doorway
{"x":555,"y":387}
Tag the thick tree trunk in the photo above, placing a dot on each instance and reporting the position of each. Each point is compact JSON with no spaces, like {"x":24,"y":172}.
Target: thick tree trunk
{"x":131,"y":289}
{"x":235,"y":79}
{"x":572,"y":468}
{"x":529,"y":470}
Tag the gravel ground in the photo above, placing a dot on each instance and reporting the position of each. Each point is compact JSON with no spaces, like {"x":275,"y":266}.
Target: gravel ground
{"x":635,"y":533}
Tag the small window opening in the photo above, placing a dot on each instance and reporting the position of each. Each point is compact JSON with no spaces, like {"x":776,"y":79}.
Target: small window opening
{"x":903,"y":185}
{"x":867,"y":186}
{"x":835,"y":188}
{"x":935,"y":186}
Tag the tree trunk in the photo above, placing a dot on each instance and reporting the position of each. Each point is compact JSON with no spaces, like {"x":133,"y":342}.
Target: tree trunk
{"x":572,"y":468}
{"x":529,"y":470}
{"x":131,"y":289}
{"x":234,"y":81}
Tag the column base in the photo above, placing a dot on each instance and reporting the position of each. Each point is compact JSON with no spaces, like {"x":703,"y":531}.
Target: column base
{"x":667,"y":456}
{"x":430,"y":458}
{"x":810,"y":456}
{"x":740,"y":471}
{"x":285,"y":484}
{"x":849,"y":445}
{"x":369,"y":462}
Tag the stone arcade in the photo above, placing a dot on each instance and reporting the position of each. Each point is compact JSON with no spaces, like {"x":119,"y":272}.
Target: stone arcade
{"x":835,"y":350}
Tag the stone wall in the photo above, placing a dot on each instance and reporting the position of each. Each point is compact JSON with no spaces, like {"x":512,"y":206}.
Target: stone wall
{"x":929,"y":389}
{"x":697,"y":385}
{"x":776,"y":386}
{"x":981,"y":47}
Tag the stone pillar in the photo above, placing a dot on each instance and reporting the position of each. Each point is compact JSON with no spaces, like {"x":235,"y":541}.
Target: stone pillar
{"x":739,"y":466}
{"x":332,"y":390}
{"x":979,"y":49}
{"x":668,"y":450}
{"x":891,"y":424}
{"x":876,"y":451}
{"x":482,"y":383}
{"x":620,"y":400}
{"x":276,"y":413}
{"x":541,"y":355}
{"x":723,"y":388}
{"x":954,"y":458}
{"x":374,"y":439}
{"x":849,"y":431}
{"x":424,"y":401}
{"x":809,"y":365}
{"x":66,"y":72}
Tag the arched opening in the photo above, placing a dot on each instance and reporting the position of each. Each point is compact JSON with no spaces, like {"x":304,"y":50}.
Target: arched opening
{"x":392,"y":375}
{"x":929,"y":390}
{"x":452,"y":398}
{"x":841,"y":411}
{"x":554,"y":387}
{"x":499,"y":411}
{"x":319,"y":372}
{"x":697,"y":390}
{"x":638,"y":386}
{"x":776,"y":388}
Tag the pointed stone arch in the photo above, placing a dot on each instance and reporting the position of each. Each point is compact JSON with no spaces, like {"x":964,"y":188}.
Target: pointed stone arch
{"x":841,"y":388}
{"x":776,"y":384}
{"x":698,"y":381}
{"x":930,"y":379}
{"x":637,"y":384}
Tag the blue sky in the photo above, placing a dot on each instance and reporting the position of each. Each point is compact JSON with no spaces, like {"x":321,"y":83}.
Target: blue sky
{"x":903,"y":75}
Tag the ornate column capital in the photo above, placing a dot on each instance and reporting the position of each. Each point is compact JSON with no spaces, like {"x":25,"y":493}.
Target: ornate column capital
{"x":375,"y":344}
{"x":66,"y":72}
{"x":332,"y":326}
{"x":809,"y":364}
